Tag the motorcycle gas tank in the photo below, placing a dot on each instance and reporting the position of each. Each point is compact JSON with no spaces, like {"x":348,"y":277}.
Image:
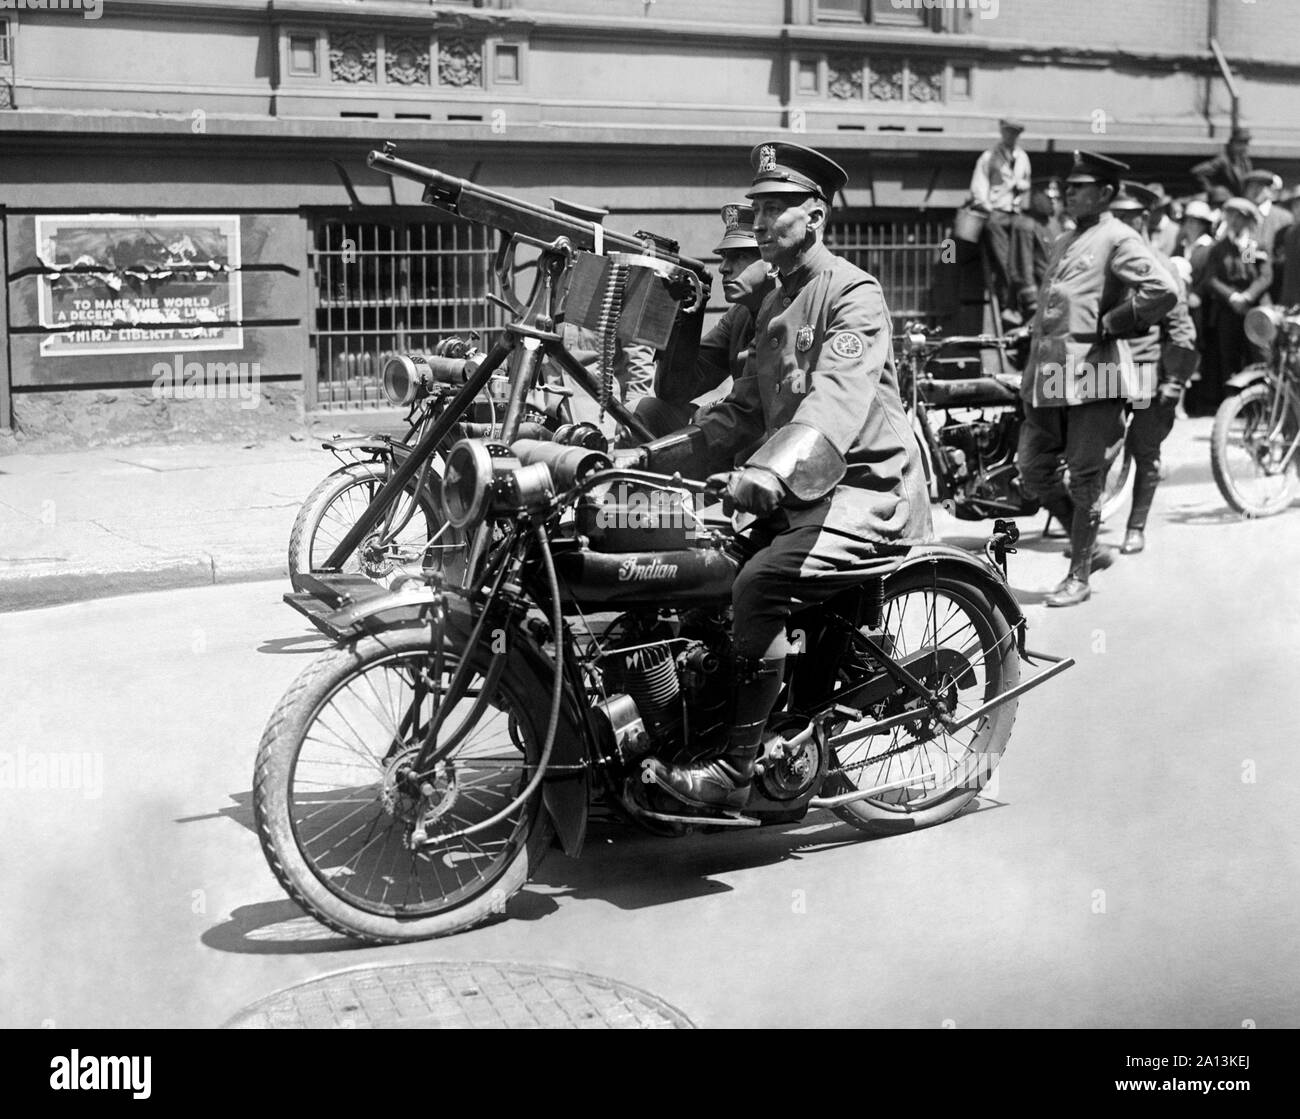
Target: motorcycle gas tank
{"x":665,"y":578}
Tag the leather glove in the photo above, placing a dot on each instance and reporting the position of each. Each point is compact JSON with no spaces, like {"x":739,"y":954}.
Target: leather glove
{"x":754,"y":490}
{"x":629,"y":458}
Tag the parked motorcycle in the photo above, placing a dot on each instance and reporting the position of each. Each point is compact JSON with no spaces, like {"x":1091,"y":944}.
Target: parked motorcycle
{"x":1253,"y":445}
{"x":968,"y":418}
{"x":410,"y":530}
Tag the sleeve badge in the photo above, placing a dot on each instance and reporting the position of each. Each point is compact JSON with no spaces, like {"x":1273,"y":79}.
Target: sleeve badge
{"x":847,"y":344}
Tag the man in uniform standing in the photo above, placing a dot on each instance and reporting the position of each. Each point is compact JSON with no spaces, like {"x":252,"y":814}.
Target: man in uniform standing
{"x":1103,"y":285}
{"x":689,"y":367}
{"x":1168,"y":349}
{"x":838,"y":477}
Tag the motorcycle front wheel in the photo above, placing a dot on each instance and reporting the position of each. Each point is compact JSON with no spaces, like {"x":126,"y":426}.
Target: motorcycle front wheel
{"x":1252,"y":435}
{"x":336,"y":801}
{"x":934,"y":773}
{"x":336,"y":504}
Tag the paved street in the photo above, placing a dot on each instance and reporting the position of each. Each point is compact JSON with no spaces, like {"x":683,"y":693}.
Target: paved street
{"x":1135,"y":863}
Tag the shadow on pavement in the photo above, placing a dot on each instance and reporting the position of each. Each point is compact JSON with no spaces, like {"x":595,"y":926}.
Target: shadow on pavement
{"x":1224,"y":516}
{"x":620,"y":865}
{"x":313,"y":642}
{"x":241,"y":812}
{"x":275,"y":928}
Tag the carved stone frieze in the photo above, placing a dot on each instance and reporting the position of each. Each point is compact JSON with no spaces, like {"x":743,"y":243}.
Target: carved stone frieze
{"x":353,"y":56}
{"x":406,"y":60}
{"x":460,"y":62}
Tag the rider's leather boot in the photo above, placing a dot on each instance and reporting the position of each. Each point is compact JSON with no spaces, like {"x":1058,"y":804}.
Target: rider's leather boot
{"x":724,"y":782}
{"x":1074,"y":588}
{"x":1144,"y":492}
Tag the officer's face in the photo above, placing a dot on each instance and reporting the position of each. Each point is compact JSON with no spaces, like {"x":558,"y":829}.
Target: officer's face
{"x":1085,"y":199}
{"x":785,"y":225}
{"x":743,"y":271}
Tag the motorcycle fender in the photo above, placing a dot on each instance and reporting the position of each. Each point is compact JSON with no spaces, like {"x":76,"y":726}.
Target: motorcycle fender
{"x":1252,"y":374}
{"x":566,"y":794}
{"x":943,"y":559}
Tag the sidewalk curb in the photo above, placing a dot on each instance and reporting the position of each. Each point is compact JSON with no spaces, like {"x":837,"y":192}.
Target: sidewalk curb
{"x":63,"y":587}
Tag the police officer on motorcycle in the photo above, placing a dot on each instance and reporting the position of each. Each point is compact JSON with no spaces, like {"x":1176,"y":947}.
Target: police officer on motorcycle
{"x":690,"y":366}
{"x":837,"y":475}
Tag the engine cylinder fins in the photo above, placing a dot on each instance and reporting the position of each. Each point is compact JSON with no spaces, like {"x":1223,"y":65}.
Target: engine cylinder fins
{"x":650,"y":676}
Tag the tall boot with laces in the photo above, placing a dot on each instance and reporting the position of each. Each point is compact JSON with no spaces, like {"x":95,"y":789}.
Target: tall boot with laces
{"x":724,"y":782}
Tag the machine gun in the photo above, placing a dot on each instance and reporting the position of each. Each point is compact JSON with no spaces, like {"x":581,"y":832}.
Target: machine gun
{"x":625,"y":288}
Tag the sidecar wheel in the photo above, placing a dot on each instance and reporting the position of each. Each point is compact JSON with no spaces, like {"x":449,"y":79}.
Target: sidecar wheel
{"x":921,"y":612}
{"x":334,"y":808}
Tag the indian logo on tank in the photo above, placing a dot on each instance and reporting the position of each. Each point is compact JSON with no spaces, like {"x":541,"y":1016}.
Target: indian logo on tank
{"x":629,"y":571}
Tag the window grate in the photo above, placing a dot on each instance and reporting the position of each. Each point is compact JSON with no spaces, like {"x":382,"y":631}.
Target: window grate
{"x":389,"y":286}
{"x":904,"y":255}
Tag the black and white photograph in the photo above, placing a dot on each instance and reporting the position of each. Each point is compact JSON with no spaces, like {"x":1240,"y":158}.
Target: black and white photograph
{"x":651,"y":514}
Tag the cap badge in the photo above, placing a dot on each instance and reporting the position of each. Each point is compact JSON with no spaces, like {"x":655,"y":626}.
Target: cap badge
{"x":766,"y":158}
{"x":731,"y":216}
{"x":803,"y":338}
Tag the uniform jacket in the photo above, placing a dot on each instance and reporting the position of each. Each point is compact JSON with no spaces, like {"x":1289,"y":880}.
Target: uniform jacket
{"x":692,"y":366}
{"x":1102,"y":278}
{"x":822,"y":356}
{"x":1001,"y":179}
{"x":1174,"y":332}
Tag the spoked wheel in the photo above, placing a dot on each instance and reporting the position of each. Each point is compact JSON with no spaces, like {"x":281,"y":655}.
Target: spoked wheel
{"x":1119,"y":473}
{"x":1254,"y":432}
{"x":933,"y":772}
{"x":356,"y":837}
{"x":334,"y":506}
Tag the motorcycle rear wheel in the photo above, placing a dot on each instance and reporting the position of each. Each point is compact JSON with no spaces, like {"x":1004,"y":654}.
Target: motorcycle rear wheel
{"x":1245,"y":445}
{"x":923,"y":612}
{"x":334,"y":812}
{"x":336,"y":504}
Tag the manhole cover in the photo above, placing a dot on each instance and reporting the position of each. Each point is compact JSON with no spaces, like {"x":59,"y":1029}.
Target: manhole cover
{"x":458,"y":996}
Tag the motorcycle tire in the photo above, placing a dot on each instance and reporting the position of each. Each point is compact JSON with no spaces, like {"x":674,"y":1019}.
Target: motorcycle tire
{"x":295,"y":814}
{"x":906,"y":600}
{"x":1234,"y":453}
{"x":336,"y":504}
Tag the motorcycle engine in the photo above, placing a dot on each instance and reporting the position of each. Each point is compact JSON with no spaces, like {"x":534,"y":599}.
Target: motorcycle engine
{"x":665,"y":688}
{"x":980,"y":455}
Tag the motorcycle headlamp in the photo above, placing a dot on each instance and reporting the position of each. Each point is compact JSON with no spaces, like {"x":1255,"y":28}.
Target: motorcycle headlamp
{"x":1262,"y":325}
{"x":486,"y":479}
{"x":404,"y":378}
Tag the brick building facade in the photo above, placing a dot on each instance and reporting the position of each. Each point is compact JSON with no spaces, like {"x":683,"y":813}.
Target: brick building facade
{"x":178,"y":118}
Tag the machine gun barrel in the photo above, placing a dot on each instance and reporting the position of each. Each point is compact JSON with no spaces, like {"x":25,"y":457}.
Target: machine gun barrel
{"x":500,"y":211}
